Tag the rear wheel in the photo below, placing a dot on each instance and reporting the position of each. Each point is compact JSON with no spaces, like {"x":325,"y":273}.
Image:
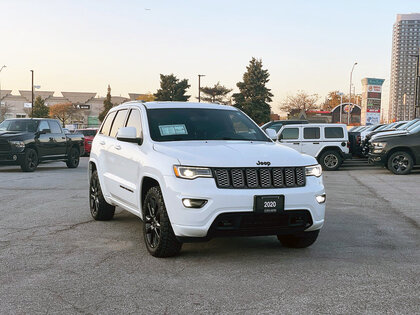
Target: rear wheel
{"x":400,"y":163}
{"x":99,"y":208}
{"x":157,"y":229}
{"x":330,"y":160}
{"x":73,"y":158}
{"x":298,"y":241}
{"x":30,"y":161}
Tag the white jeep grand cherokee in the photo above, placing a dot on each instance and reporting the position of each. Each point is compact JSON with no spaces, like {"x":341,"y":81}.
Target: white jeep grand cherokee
{"x":194,"y":171}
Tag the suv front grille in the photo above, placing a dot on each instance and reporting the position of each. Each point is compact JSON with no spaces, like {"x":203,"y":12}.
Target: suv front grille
{"x":4,"y":145}
{"x":260,"y":177}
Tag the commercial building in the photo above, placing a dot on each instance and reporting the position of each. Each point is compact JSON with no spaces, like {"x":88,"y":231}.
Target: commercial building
{"x":405,"y":46}
{"x":88,"y":105}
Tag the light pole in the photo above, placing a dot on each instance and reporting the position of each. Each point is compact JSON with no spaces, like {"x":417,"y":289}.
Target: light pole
{"x":0,"y":81}
{"x":341,"y":103}
{"x":351,"y":77}
{"x":32,"y":85}
{"x":199,"y":86}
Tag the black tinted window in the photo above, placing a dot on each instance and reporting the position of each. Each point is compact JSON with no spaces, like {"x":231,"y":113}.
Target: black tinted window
{"x":55,"y":127}
{"x":134,"y":121}
{"x":106,"y":127}
{"x":118,"y":122}
{"x":43,"y":125}
{"x":334,"y":132}
{"x":290,"y":134}
{"x":19,"y":125}
{"x":311,"y":133}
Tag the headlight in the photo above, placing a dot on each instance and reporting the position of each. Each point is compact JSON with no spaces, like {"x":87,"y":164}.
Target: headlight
{"x":379,"y":145}
{"x":314,"y":170}
{"x":191,"y":172}
{"x":20,"y":145}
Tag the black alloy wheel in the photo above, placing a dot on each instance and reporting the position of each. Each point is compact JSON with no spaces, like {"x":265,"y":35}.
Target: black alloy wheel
{"x":30,"y":161}
{"x":400,"y":163}
{"x":73,"y":158}
{"x":99,"y":208}
{"x":152,"y":223}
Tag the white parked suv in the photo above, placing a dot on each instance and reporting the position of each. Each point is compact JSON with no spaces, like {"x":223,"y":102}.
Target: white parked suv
{"x":194,"y":171}
{"x":328,"y":143}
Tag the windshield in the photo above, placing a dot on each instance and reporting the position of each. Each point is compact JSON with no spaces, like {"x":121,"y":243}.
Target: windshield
{"x":414,"y":126}
{"x":27,"y":125}
{"x":408,"y":124}
{"x":186,"y":124}
{"x":87,"y":132}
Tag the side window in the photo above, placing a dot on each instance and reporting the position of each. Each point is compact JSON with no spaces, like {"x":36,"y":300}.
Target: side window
{"x":106,"y":127}
{"x":43,"y":125}
{"x":118,"y":122}
{"x":334,"y":132}
{"x":311,"y":133}
{"x":55,"y":127}
{"x":290,"y":134}
{"x":135,"y":121}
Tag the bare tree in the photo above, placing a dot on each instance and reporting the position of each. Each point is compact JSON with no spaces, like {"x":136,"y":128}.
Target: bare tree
{"x":301,"y":101}
{"x":4,"y":109}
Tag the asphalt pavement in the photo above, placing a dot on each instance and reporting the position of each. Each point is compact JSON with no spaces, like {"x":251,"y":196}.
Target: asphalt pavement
{"x":54,"y":258}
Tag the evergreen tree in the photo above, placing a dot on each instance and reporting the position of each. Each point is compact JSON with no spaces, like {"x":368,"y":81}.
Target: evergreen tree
{"x":215,"y":94}
{"x":172,"y":89}
{"x":107,"y":105}
{"x":253,"y":96}
{"x":40,"y":110}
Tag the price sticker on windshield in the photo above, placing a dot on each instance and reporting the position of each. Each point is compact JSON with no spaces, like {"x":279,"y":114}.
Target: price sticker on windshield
{"x":172,"y":130}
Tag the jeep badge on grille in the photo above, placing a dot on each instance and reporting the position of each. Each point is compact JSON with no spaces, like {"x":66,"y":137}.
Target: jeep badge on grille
{"x":264,"y":163}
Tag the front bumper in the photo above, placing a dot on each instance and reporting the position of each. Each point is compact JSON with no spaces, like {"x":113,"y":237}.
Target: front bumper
{"x":376,"y":158}
{"x":11,"y":158}
{"x":199,"y":223}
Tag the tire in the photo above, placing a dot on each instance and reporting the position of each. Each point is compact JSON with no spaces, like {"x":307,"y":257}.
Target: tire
{"x":157,"y":229}
{"x":299,"y":241}
{"x":99,"y":208}
{"x":30,"y":161}
{"x":73,"y":158}
{"x":400,"y":163}
{"x":330,"y":160}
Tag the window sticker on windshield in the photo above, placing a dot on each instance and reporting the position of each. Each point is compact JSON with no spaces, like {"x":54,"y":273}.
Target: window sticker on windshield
{"x":170,"y":130}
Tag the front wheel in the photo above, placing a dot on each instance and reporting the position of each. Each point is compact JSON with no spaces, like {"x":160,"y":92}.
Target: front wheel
{"x":330,"y":160}
{"x":30,"y":161}
{"x":400,"y":163}
{"x":157,"y":230}
{"x":73,"y":158}
{"x":299,"y":241}
{"x":99,"y":208}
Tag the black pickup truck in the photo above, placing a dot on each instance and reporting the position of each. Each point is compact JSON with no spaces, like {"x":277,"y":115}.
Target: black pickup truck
{"x":27,"y":142}
{"x":397,"y":152}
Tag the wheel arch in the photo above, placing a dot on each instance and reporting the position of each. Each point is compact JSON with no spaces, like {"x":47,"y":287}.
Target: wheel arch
{"x":329,"y":148}
{"x":147,"y":182}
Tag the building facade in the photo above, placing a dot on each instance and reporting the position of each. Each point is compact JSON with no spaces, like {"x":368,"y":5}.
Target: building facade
{"x":87,"y":104}
{"x":405,"y":46}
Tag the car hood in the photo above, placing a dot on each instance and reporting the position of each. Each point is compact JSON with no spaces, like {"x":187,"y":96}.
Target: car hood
{"x":389,"y":134}
{"x":233,"y":153}
{"x":13,"y":134}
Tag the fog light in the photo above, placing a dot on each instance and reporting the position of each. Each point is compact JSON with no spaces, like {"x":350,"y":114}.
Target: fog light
{"x":194,"y":203}
{"x":14,"y":157}
{"x":321,"y":198}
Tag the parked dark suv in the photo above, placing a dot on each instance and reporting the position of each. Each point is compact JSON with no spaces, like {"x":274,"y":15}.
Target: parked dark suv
{"x":398,"y":152}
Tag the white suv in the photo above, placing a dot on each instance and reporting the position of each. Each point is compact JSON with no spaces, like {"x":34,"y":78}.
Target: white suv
{"x":194,"y":171}
{"x":328,"y":143}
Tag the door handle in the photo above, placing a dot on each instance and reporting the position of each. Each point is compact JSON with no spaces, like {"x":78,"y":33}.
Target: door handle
{"x":315,"y":143}
{"x":63,"y":138}
{"x":295,"y":142}
{"x":102,"y":143}
{"x":117,"y":146}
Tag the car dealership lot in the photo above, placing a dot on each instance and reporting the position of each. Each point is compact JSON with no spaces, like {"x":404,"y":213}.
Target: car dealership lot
{"x":55,"y":258}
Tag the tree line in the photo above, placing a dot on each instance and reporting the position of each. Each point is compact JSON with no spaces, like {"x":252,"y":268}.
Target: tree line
{"x":253,"y":97}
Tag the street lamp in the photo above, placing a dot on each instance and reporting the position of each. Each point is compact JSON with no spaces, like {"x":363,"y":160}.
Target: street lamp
{"x":0,"y":81}
{"x":32,"y":85}
{"x":341,"y":103}
{"x":199,"y":86}
{"x":351,"y":76}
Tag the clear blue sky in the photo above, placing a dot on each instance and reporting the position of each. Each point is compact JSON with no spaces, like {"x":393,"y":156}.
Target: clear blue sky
{"x":84,"y":45}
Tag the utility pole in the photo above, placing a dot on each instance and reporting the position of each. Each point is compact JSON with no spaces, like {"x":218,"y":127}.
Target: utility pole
{"x":0,"y":82}
{"x":199,"y":86}
{"x":350,"y":107}
{"x":404,"y":104}
{"x":32,"y":115}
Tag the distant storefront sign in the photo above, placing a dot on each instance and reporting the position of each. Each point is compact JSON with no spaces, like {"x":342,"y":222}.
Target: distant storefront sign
{"x":373,"y":118}
{"x":375,"y":88}
{"x":83,"y":106}
{"x":27,"y":105}
{"x":374,"y":95}
{"x":372,"y":81}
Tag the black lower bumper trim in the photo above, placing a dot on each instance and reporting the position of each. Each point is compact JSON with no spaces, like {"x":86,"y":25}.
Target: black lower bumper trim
{"x":254,"y":224}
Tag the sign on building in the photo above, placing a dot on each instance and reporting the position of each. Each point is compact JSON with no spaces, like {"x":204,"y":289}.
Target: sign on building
{"x":371,"y":101}
{"x":27,"y":105}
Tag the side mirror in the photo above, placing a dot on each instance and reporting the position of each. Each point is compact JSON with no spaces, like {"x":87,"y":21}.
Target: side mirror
{"x":43,"y":131}
{"x":128,"y":134}
{"x":271,"y":133}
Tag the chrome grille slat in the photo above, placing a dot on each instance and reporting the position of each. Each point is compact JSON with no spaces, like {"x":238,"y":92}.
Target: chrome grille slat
{"x":261,"y":177}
